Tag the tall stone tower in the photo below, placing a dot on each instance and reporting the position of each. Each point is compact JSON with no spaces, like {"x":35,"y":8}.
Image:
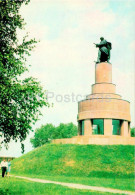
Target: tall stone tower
{"x":104,"y":112}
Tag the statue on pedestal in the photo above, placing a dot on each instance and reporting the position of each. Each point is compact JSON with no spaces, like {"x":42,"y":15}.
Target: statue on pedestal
{"x":104,"y":51}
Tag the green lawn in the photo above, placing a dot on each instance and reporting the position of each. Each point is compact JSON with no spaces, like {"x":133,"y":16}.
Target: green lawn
{"x":96,"y":165}
{"x":9,"y":186}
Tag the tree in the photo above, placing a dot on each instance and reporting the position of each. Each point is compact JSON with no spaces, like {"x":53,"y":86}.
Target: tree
{"x":47,"y":132}
{"x":133,"y":132}
{"x":43,"y":135}
{"x":65,"y":131}
{"x":20,"y":100}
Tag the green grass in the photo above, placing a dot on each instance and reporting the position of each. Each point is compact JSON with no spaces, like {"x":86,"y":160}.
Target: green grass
{"x":9,"y":186}
{"x":116,"y":183}
{"x":108,"y":166}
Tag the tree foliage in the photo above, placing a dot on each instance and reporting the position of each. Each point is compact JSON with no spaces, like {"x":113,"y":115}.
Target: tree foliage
{"x":47,"y":132}
{"x":20,"y":100}
{"x":133,"y":132}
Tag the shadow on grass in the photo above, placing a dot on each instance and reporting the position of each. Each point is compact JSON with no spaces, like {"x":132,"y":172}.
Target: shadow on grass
{"x":109,"y":175}
{"x":4,"y":191}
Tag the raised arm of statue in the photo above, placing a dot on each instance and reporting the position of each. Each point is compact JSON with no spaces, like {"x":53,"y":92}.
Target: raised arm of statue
{"x":102,"y":43}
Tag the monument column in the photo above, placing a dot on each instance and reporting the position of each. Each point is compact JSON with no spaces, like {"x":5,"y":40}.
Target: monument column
{"x":108,"y":127}
{"x":87,"y":127}
{"x":124,"y":129}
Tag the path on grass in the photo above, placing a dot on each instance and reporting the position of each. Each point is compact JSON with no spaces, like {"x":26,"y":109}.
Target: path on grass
{"x":79,"y":186}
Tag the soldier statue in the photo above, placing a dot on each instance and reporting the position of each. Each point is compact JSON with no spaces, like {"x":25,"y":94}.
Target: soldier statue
{"x":104,"y":51}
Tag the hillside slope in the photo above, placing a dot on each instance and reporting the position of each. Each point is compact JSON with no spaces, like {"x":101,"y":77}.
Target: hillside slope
{"x":77,"y":160}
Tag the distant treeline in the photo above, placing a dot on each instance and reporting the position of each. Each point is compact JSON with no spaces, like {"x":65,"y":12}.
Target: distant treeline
{"x":47,"y":132}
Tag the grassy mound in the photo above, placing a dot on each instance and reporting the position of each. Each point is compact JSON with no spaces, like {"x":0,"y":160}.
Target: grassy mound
{"x":77,"y":161}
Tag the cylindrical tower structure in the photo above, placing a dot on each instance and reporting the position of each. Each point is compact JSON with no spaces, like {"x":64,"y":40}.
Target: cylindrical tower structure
{"x":104,"y":112}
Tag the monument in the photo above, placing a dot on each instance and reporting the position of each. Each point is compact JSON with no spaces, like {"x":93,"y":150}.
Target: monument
{"x":103,"y":117}
{"x":104,"y":50}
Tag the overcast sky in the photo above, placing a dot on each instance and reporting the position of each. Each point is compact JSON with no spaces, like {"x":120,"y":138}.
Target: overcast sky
{"x":63,"y":61}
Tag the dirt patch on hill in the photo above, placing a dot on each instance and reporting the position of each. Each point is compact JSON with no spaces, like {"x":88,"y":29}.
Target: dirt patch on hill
{"x":70,"y":163}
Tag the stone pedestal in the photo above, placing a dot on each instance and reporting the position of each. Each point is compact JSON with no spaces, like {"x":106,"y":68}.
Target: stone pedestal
{"x":105,"y":104}
{"x":103,"y":73}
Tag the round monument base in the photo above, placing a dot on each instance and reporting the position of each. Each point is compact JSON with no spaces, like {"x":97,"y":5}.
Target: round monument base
{"x":97,"y":139}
